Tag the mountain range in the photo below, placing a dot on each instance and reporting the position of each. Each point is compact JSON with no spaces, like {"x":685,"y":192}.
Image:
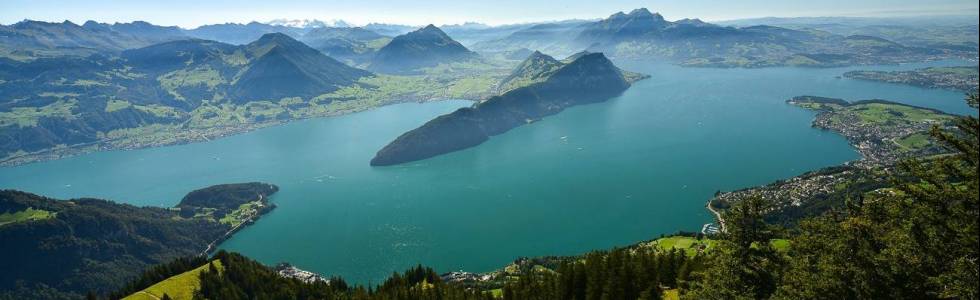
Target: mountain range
{"x":161,"y":83}
{"x":641,"y":34}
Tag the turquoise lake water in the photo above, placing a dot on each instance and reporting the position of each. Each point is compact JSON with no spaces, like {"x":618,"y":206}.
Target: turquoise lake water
{"x":594,"y":176}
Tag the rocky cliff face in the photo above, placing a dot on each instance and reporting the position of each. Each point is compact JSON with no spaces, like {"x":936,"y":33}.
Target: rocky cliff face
{"x":588,"y":79}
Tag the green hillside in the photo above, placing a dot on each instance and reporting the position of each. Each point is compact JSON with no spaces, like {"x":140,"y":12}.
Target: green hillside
{"x":179,"y":287}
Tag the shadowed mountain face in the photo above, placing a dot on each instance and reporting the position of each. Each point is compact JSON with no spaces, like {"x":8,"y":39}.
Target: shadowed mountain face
{"x":588,"y":79}
{"x":425,"y":47}
{"x":284,"y":67}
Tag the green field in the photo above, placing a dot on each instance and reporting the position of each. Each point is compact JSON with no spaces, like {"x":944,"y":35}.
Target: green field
{"x":241,"y":214}
{"x":963,"y":71}
{"x":914,"y":142}
{"x":882,"y":113}
{"x":690,"y":245}
{"x":781,"y":245}
{"x":178,"y":287}
{"x":29,"y":214}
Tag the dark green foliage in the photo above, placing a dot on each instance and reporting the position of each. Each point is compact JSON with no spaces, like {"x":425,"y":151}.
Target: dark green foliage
{"x":626,"y":273}
{"x":91,"y":244}
{"x":227,"y":196}
{"x":918,"y":241}
{"x":743,"y":265}
{"x":244,"y":278}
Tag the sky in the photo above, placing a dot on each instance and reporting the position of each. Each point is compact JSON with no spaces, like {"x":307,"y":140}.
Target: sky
{"x":193,"y":13}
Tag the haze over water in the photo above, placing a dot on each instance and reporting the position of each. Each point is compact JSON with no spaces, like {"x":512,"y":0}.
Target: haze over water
{"x":592,"y":177}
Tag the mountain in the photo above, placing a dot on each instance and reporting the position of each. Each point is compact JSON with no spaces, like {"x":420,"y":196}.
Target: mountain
{"x":149,"y":32}
{"x":470,"y":33}
{"x":537,"y":67}
{"x":65,"y":248}
{"x":238,"y":34}
{"x":353,"y":45}
{"x":638,"y":23}
{"x":389,"y":29}
{"x":283,"y":67}
{"x":426,"y":47}
{"x":588,"y":79}
{"x":30,"y":39}
{"x":552,"y":38}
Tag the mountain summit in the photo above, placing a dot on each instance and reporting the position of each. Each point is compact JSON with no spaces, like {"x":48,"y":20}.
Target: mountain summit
{"x":426,"y":47}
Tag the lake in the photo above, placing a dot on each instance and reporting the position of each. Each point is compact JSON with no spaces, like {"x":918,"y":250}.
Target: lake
{"x":592,"y":177}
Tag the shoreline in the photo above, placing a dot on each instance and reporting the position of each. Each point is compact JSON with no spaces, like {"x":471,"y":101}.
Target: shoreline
{"x":718,"y":218}
{"x":196,"y":135}
{"x":266,"y":208}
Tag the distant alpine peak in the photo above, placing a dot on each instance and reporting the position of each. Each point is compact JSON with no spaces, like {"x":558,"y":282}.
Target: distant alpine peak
{"x":308,"y":23}
{"x":641,"y":11}
{"x":431,"y":30}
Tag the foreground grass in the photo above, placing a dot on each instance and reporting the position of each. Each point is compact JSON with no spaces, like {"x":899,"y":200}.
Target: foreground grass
{"x":178,"y":287}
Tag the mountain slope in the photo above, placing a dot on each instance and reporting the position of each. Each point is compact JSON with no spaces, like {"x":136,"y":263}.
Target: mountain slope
{"x":284,"y":67}
{"x":353,"y":45}
{"x":426,"y":47}
{"x":537,"y":67}
{"x":97,"y":245}
{"x":588,"y":79}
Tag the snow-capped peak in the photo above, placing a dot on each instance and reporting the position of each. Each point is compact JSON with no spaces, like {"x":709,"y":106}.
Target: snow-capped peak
{"x":308,"y":23}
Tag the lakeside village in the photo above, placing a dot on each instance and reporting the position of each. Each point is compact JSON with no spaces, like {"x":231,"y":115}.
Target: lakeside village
{"x":882,"y":132}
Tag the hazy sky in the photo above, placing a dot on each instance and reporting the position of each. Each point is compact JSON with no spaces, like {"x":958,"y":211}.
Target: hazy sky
{"x":192,"y":13}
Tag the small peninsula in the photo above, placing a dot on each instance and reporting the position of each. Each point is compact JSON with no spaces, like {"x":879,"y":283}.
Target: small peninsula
{"x":588,"y":78}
